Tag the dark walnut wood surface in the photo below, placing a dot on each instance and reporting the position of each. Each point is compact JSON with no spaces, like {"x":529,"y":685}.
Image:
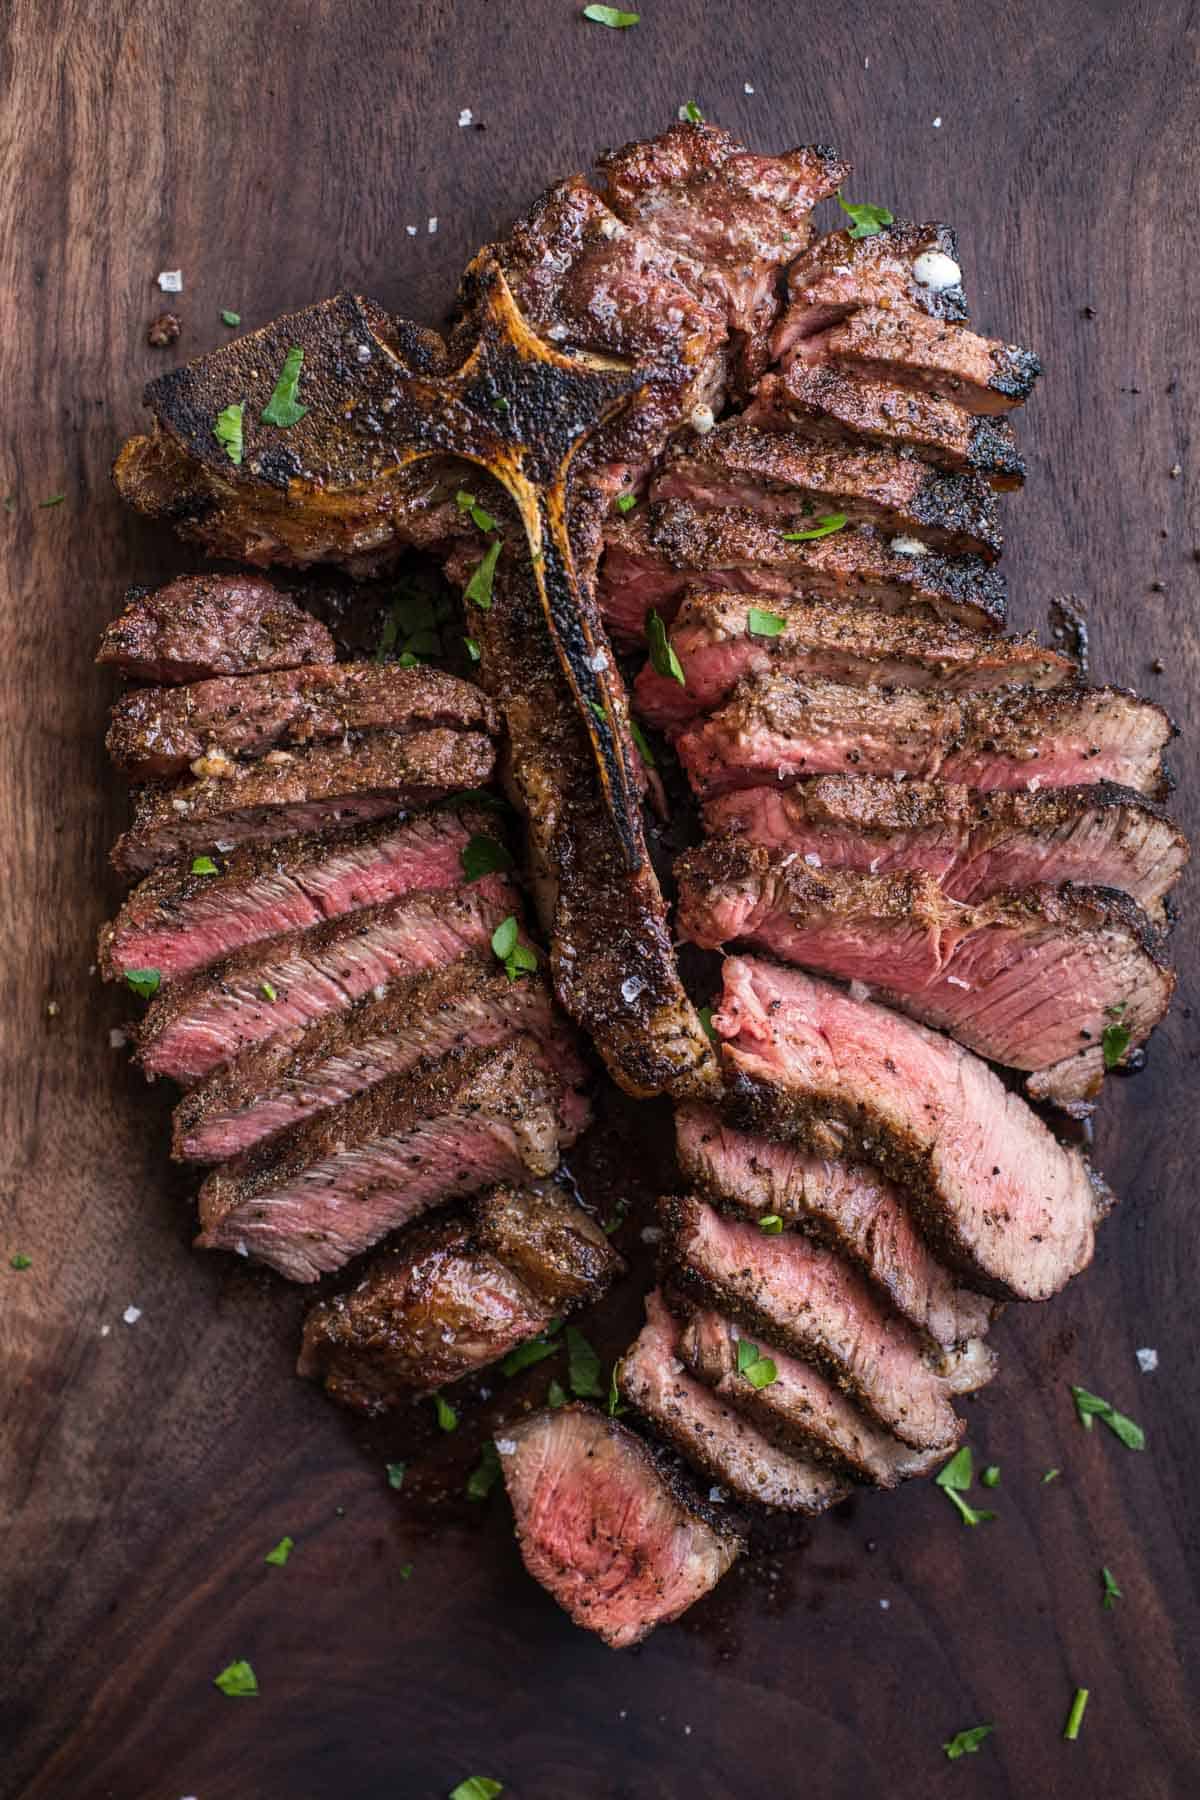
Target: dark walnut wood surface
{"x":275,"y":153}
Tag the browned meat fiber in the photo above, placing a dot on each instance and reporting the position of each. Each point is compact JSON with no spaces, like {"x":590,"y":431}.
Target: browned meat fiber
{"x":993,"y":1191}
{"x":620,"y":1539}
{"x":309,"y":1201}
{"x":204,"y":625}
{"x":837,"y":274}
{"x":454,"y":1296}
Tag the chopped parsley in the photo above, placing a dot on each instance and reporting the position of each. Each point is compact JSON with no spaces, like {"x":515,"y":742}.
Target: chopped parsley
{"x":518,"y":959}
{"x":1091,"y":1406}
{"x":825,"y":526}
{"x":626,"y":502}
{"x":663,"y":659}
{"x":204,"y":865}
{"x":478,"y":591}
{"x":467,"y":503}
{"x":405,"y":1571}
{"x":866,"y":220}
{"x":416,"y":622}
{"x":447,"y":1418}
{"x":230,"y":318}
{"x":609,"y":15}
{"x":618,"y":1216}
{"x":533,"y":1350}
{"x":1051,"y":1475}
{"x":639,"y":739}
{"x":238,"y":1681}
{"x":19,"y":1260}
{"x":764,"y":624}
{"x":485,"y":1474}
{"x":1114,"y":1041}
{"x":583,"y":1367}
{"x":614,"y":1407}
{"x":556,"y":1395}
{"x":227,"y":429}
{"x":1112,"y":1592}
{"x":395,"y":1474}
{"x":966,"y":1743}
{"x":472,"y":648}
{"x":482,"y":855}
{"x":770,"y":1224}
{"x":283,"y":408}
{"x":477,"y":1787}
{"x":691,"y":112}
{"x":990,"y":1476}
{"x":759,"y":1370}
{"x":955,"y":1479}
{"x":143,"y":981}
{"x":1075,"y":1716}
{"x":279,"y":1555}
{"x":55,"y":499}
{"x":704,"y":1014}
{"x":268,"y":991}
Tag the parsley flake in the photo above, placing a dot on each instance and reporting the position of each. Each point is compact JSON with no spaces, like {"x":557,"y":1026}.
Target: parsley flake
{"x":556,"y":1395}
{"x":230,"y":318}
{"x":238,"y":1681}
{"x":764,"y":624}
{"x":642,"y":747}
{"x":19,"y":1260}
{"x":663,"y":659}
{"x":283,"y":408}
{"x":1114,"y":1041}
{"x":626,"y":502}
{"x":467,"y":503}
{"x":533,"y":1350}
{"x":955,"y":1479}
{"x":1091,"y":1406}
{"x":705,"y":1016}
{"x":990,"y":1476}
{"x":825,"y":527}
{"x":485,"y":1474}
{"x":447,"y":1418}
{"x":405,"y":1571}
{"x":614,"y":1407}
{"x":143,"y":981}
{"x":583,"y":1367}
{"x":52,"y":500}
{"x":759,"y":1370}
{"x":268,"y":991}
{"x":518,"y":959}
{"x":279,"y":1555}
{"x":1051,"y":1475}
{"x":482,"y":855}
{"x":227,"y":429}
{"x":395,"y":1474}
{"x":770,"y":1224}
{"x":477,"y":1787}
{"x":1075,"y":1716}
{"x":609,"y":15}
{"x":472,"y":648}
{"x":866,"y":220}
{"x":478,"y":591}
{"x":691,"y":112}
{"x":1112,"y":1592}
{"x":966,"y":1743}
{"x":204,"y":865}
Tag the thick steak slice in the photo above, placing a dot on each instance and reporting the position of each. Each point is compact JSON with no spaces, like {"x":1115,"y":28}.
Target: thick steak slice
{"x":310,"y":788}
{"x":608,"y":1527}
{"x":975,"y":843}
{"x":994,"y":1192}
{"x":837,"y":274}
{"x":160,"y":732}
{"x":801,"y":1409}
{"x":309,"y":1201}
{"x":810,"y":1302}
{"x":785,"y":477}
{"x":651,"y":563}
{"x":835,"y":641}
{"x":176,"y":920}
{"x":848,"y":1206}
{"x":710,"y":1433}
{"x":202,"y":625}
{"x":274,"y":1085}
{"x":931,"y":356}
{"x":269,"y":988}
{"x":778,"y":730}
{"x":832,"y":404}
{"x":1028,"y":978}
{"x":452,"y":1297}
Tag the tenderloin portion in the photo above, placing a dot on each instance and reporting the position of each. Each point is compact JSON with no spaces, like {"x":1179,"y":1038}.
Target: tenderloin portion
{"x":777,"y":731}
{"x":709,"y":1433}
{"x":974,"y":843}
{"x":204,"y":625}
{"x":832,"y":640}
{"x":993,"y":1190}
{"x":837,"y":274}
{"x":847,"y":1206}
{"x":177,"y":922}
{"x":294,"y":980}
{"x":453,"y":1297}
{"x":611,"y":1530}
{"x":160,"y":732}
{"x":309,"y":1201}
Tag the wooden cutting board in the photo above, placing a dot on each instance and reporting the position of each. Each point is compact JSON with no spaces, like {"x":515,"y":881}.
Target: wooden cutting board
{"x":275,"y":153}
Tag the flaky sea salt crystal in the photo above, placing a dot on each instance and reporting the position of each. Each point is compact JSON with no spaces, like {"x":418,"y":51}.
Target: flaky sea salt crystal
{"x":506,"y":1446}
{"x":631,"y":988}
{"x":132,"y":1314}
{"x":171,"y":281}
{"x":1147,"y":1361}
{"x":466,"y":116}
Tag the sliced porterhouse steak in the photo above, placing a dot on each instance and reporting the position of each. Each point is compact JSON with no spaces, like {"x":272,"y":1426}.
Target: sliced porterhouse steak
{"x":835,"y":641}
{"x":994,"y":1192}
{"x":975,"y":843}
{"x":852,"y":1208}
{"x":801,"y":1409}
{"x":608,"y":1526}
{"x":778,"y":730}
{"x":269,"y":988}
{"x":786,"y":477}
{"x":837,"y":274}
{"x":810,"y":1302}
{"x":710,"y":1433}
{"x":1028,"y":978}
{"x":202,"y":625}
{"x":176,"y":920}
{"x":454,"y":1296}
{"x":160,"y":732}
{"x":651,"y":561}
{"x":309,"y":1201}
{"x":834,"y":405}
{"x":930,"y":356}
{"x":311,"y":788}
{"x":274,"y":1085}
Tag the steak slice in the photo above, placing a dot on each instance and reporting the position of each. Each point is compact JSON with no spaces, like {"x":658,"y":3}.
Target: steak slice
{"x":931,"y":356}
{"x":776,"y":729}
{"x":608,"y":1527}
{"x":177,"y":921}
{"x":309,"y":1201}
{"x":159,"y":732}
{"x":449,"y":1299}
{"x":837,"y":274}
{"x":801,"y":1409}
{"x":293,"y":980}
{"x":655,"y":563}
{"x":834,"y":404}
{"x":710,"y":1433}
{"x":1028,"y":978}
{"x":203,"y":625}
{"x":974,"y":843}
{"x":782,"y":476}
{"x":810,"y":1302}
{"x":847,"y":1206}
{"x":993,"y":1191}
{"x":273,"y":1085}
{"x":836,"y":641}
{"x":310,"y":788}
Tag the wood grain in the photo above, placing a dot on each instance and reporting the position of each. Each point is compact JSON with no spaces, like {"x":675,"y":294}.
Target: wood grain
{"x":275,"y":152}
